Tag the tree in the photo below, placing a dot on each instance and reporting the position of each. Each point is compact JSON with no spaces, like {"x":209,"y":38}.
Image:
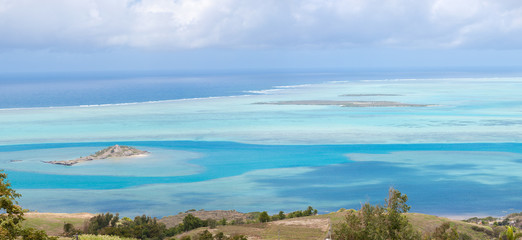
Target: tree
{"x":12,"y":215}
{"x":397,"y":224}
{"x":379,"y":222}
{"x":445,"y":232}
{"x":191,"y":222}
{"x":223,"y":221}
{"x":69,"y":230}
{"x":282,"y":215}
{"x":510,"y":234}
{"x":263,"y":217}
{"x":309,"y":211}
{"x":101,"y":221}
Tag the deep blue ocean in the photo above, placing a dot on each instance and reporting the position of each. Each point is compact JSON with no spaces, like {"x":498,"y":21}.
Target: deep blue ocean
{"x":23,"y":90}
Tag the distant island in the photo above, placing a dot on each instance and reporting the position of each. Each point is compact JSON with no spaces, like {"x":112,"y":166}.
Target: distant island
{"x":370,"y":95}
{"x":115,"y":151}
{"x":347,"y":103}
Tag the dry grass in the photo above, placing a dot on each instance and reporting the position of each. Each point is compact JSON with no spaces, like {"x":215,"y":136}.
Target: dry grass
{"x":52,"y":223}
{"x":313,"y":227}
{"x":428,"y":223}
{"x":102,"y":237}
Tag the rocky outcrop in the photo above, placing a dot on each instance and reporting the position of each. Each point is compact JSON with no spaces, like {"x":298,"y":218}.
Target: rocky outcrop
{"x":115,"y":151}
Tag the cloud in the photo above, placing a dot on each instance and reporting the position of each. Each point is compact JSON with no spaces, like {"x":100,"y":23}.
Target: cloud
{"x":188,"y":24}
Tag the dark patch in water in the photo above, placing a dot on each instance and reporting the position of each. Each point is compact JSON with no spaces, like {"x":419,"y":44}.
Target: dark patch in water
{"x":194,"y":199}
{"x":453,"y":166}
{"x":361,"y":182}
{"x":122,"y":205}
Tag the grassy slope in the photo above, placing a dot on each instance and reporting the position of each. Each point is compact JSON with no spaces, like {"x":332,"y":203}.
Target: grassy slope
{"x":52,"y":223}
{"x":313,"y":227}
{"x":316,"y":227}
{"x":428,"y":223}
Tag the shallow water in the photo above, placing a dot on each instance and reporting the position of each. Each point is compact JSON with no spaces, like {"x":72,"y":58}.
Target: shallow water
{"x":444,"y":179}
{"x":461,"y":110}
{"x":232,"y":153}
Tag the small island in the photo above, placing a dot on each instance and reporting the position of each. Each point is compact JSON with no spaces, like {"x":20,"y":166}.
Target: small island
{"x":115,"y":151}
{"x":347,"y":103}
{"x":370,"y":95}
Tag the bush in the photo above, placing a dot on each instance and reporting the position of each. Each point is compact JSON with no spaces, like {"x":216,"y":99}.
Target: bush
{"x":142,"y":227}
{"x":223,"y":222}
{"x":211,"y":223}
{"x":484,"y":230}
{"x":445,"y":232}
{"x":101,"y":221}
{"x":220,"y":236}
{"x":205,"y":235}
{"x":102,"y":237}
{"x":379,"y":222}
{"x":282,"y":215}
{"x":308,"y":212}
{"x":263,"y":217}
{"x":69,"y":230}
{"x":190,"y":222}
{"x":33,"y":234}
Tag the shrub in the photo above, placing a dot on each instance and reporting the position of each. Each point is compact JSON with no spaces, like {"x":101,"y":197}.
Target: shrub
{"x":33,"y":234}
{"x":484,"y":230}
{"x":223,"y":222}
{"x":263,"y":217}
{"x":445,"y":232}
{"x":282,"y":215}
{"x":101,"y":221}
{"x":205,"y":235}
{"x":379,"y":222}
{"x":190,"y":222}
{"x":102,"y":237}
{"x":211,"y":223}
{"x":69,"y":230}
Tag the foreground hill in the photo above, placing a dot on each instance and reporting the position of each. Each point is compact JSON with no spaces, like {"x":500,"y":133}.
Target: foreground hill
{"x":312,"y":227}
{"x":316,"y":227}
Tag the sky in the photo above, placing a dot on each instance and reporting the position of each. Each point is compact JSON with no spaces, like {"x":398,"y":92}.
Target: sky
{"x":113,"y":35}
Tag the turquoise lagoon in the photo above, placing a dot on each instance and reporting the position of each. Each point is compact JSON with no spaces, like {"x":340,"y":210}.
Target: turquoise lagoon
{"x":460,"y":155}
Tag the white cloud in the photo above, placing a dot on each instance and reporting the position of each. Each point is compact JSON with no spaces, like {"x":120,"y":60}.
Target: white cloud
{"x":179,"y":24}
